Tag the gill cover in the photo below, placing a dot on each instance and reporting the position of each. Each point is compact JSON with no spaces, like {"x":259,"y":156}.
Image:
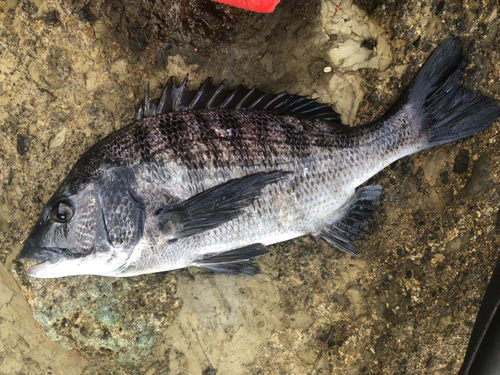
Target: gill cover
{"x":91,"y":232}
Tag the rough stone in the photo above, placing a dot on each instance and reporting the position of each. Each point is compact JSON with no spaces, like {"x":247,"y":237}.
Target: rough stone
{"x":23,"y":144}
{"x":23,"y":346}
{"x":461,"y":163}
{"x":58,"y":139}
{"x":479,"y":181}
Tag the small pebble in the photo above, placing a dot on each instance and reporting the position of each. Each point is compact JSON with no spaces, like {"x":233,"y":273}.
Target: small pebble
{"x":327,"y":69}
{"x":439,"y":258}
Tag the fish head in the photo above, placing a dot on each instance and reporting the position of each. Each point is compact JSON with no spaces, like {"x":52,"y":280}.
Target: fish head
{"x":70,"y":236}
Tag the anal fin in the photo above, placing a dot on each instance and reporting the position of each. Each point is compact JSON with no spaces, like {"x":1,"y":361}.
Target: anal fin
{"x":344,"y":232}
{"x":233,"y":262}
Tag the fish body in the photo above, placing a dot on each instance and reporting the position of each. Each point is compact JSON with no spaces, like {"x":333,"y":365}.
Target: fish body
{"x":211,"y":177}
{"x":302,"y":202}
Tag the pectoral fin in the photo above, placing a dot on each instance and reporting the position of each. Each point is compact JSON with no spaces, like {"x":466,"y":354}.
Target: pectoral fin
{"x":233,"y":262}
{"x":214,"y":206}
{"x":344,"y":232}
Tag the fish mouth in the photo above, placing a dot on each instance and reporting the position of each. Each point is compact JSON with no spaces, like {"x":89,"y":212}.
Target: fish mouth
{"x":51,"y":254}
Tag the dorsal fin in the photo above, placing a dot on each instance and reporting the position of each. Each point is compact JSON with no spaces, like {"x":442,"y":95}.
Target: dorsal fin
{"x":212,"y":97}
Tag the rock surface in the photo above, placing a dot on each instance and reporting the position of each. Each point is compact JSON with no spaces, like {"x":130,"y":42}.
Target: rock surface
{"x":23,"y":347}
{"x":73,"y":72}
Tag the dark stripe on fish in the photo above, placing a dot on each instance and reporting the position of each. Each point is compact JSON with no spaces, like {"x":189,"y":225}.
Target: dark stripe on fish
{"x":211,"y":138}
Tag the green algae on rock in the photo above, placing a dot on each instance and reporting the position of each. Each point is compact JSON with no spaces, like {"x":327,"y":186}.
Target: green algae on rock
{"x":120,"y":318}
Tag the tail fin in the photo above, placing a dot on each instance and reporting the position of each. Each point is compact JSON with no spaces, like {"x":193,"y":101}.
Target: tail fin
{"x":446,"y":111}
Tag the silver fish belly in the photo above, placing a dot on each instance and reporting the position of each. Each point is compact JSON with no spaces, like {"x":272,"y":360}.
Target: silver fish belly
{"x":211,"y":177}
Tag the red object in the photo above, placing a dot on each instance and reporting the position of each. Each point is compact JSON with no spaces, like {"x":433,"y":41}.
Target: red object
{"x":262,"y":6}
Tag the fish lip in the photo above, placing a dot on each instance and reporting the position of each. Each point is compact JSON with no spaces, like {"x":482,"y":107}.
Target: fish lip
{"x":42,"y":269}
{"x":51,"y":254}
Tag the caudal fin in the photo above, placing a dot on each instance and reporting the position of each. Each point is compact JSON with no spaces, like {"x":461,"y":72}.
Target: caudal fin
{"x":443,"y":110}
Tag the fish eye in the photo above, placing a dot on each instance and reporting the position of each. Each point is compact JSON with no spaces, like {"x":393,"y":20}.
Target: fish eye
{"x":62,"y":211}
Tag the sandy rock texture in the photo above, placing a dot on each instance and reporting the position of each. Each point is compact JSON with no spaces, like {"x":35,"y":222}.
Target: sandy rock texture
{"x":23,"y":347}
{"x":73,"y":72}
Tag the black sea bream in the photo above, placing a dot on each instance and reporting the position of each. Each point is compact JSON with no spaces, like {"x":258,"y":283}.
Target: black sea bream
{"x":209,"y":178}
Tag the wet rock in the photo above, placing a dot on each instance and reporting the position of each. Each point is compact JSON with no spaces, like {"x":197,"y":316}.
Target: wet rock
{"x":433,"y":363}
{"x":373,"y":98}
{"x":433,"y":201}
{"x":308,"y":354}
{"x":369,"y":44}
{"x":120,"y":68}
{"x":433,"y":27}
{"x":84,"y":15}
{"x":442,"y":5}
{"x":300,"y":321}
{"x":461,"y":25}
{"x":479,"y":181}
{"x":492,"y":23}
{"x":434,"y":165}
{"x":349,"y":97}
{"x":380,"y":345}
{"x":358,"y":304}
{"x":461,"y":162}
{"x":52,"y":18}
{"x":370,"y":5}
{"x":353,"y":371}
{"x":115,"y":317}
{"x":24,"y":347}
{"x":224,"y":321}
{"x":322,"y":366}
{"x":350,"y":52}
{"x":445,"y":318}
{"x":58,"y":139}
{"x":23,"y":144}
{"x":341,"y":299}
{"x":350,"y":274}
{"x":454,"y":245}
{"x":209,"y":371}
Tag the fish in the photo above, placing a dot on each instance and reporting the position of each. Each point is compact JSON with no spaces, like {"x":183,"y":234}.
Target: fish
{"x":211,"y":177}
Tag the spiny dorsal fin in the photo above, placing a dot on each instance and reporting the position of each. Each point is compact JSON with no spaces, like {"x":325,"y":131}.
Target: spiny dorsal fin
{"x":212,"y":97}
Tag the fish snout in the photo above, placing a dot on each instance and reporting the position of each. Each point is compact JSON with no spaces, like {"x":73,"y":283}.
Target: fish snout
{"x":39,"y":253}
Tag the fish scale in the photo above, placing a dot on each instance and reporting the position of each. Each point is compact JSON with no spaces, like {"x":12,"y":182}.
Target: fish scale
{"x":210,"y":177}
{"x":278,"y":214}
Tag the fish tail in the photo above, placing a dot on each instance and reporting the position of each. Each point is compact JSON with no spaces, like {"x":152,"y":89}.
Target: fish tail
{"x":438,"y":106}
